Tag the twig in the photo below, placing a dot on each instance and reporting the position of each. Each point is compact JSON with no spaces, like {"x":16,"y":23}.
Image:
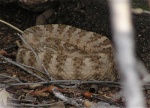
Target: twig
{"x":32,"y":68}
{"x":75,"y":102}
{"x":20,"y":66}
{"x":3,"y":62}
{"x":100,"y":82}
{"x":10,"y":25}
{"x":13,"y":78}
{"x":140,"y":11}
{"x":21,"y":100}
{"x":63,"y":82}
{"x":32,"y":105}
{"x":10,"y":47}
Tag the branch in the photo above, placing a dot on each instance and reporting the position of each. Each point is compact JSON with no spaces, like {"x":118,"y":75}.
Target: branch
{"x":124,"y":41}
{"x":20,"y":66}
{"x":10,"y":25}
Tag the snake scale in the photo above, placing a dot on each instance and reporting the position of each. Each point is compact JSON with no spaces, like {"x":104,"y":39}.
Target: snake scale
{"x":68,"y":52}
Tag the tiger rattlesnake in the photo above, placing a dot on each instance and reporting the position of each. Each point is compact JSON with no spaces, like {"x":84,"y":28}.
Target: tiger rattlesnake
{"x":68,"y":52}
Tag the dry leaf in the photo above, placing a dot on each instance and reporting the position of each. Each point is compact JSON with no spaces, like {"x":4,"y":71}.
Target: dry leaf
{"x":4,"y":95}
{"x":3,"y":52}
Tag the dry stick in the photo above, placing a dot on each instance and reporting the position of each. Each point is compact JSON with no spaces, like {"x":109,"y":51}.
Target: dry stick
{"x":20,"y":66}
{"x":32,"y":105}
{"x":13,"y":78}
{"x":64,"y":82}
{"x":32,"y":68}
{"x":123,"y":38}
{"x":27,"y":67}
{"x":140,"y":11}
{"x":27,"y":45}
{"x":10,"y":25}
{"x":75,"y":102}
{"x":20,"y":100}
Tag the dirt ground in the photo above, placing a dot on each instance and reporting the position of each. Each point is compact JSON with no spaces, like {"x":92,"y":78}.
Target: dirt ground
{"x":90,"y":15}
